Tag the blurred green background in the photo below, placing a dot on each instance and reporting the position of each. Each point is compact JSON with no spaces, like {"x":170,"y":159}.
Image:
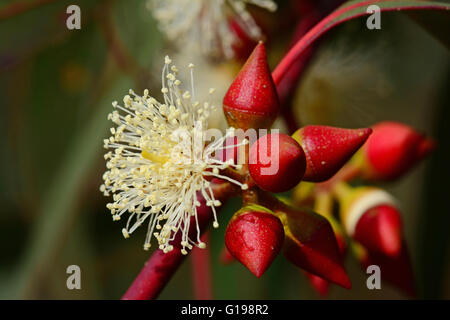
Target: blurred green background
{"x":56,"y":89}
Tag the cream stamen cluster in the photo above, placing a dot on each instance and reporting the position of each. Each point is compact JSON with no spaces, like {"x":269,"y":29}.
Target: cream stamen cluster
{"x":158,"y":162}
{"x":207,"y":22}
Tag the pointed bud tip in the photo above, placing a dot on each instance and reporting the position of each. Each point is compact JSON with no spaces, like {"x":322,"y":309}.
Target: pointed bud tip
{"x":327,"y":149}
{"x":252,"y":99}
{"x":380,"y":229}
{"x":392,"y":150}
{"x":345,"y":282}
{"x":255,"y":239}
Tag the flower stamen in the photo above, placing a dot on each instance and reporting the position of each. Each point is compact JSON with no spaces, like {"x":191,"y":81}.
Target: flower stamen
{"x":158,"y":162}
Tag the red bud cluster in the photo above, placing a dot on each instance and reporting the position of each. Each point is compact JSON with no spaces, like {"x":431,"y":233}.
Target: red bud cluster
{"x":315,"y":242}
{"x":315,"y":153}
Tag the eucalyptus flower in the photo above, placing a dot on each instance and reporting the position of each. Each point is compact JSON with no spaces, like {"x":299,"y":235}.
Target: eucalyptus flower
{"x":158,"y":162}
{"x":207,"y":22}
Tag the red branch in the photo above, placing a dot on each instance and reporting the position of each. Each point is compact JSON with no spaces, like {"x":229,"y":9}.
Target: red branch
{"x":286,"y":86}
{"x":334,"y":19}
{"x":201,"y":271}
{"x":310,"y":15}
{"x":154,"y":276}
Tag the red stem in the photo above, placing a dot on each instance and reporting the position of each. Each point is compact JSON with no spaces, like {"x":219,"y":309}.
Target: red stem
{"x":286,"y":86}
{"x":290,"y":79}
{"x":289,"y":60}
{"x":310,"y":15}
{"x":201,"y":271}
{"x":154,"y":276}
{"x":303,"y":44}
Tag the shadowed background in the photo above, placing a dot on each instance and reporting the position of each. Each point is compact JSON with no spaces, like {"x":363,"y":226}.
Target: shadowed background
{"x":56,"y":89}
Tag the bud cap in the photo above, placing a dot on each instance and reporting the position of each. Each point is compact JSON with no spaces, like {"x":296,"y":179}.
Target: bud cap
{"x":392,"y":150}
{"x":327,"y":149}
{"x":252,"y":99}
{"x":255,"y":238}
{"x":380,"y":229}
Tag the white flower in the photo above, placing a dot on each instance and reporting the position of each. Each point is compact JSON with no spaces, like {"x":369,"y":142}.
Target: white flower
{"x":206,"y":22}
{"x":158,"y":162}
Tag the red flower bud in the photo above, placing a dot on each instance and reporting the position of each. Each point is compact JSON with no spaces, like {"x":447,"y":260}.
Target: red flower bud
{"x":370,"y":217}
{"x":392,"y":150}
{"x":276,"y":162}
{"x":254,"y":238}
{"x":310,"y":244}
{"x":379,"y":229}
{"x":252,"y":100}
{"x":327,"y":149}
{"x":320,"y":285}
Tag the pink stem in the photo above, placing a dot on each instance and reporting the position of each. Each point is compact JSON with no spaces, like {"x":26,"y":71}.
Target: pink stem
{"x":201,"y":271}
